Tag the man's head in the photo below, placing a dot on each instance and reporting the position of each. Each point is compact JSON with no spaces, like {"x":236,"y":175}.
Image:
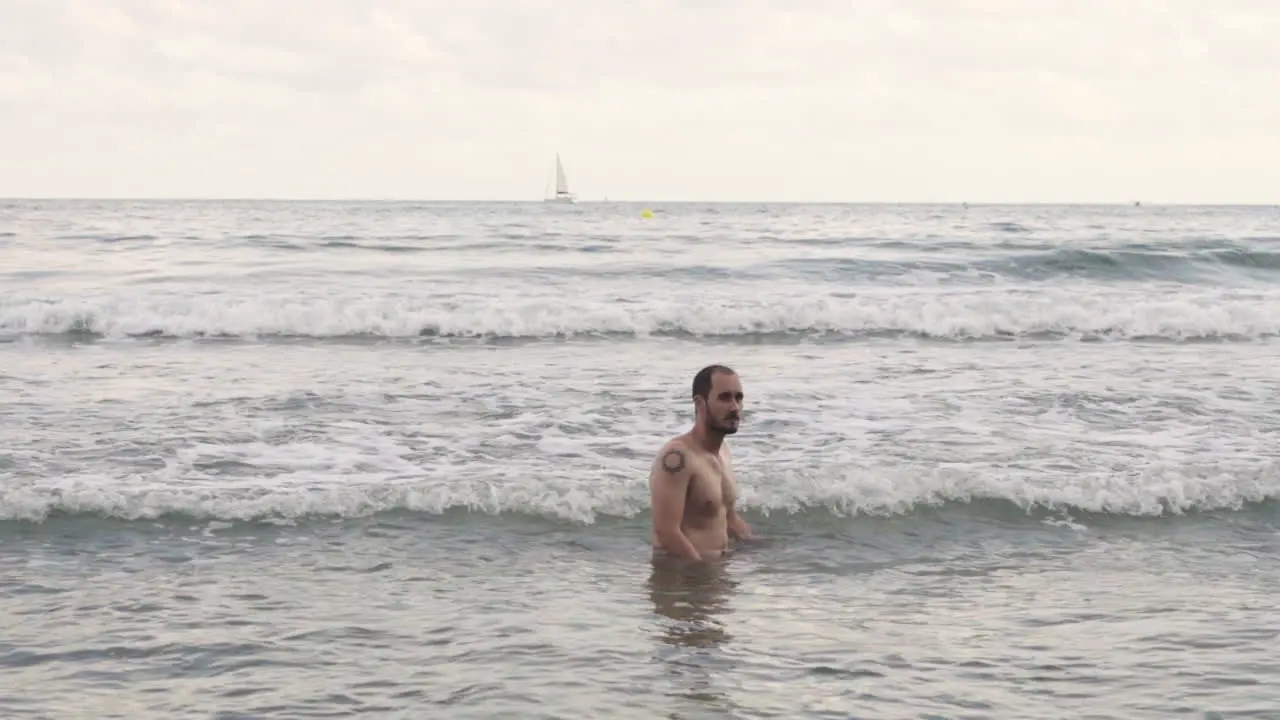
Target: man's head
{"x":717,"y":399}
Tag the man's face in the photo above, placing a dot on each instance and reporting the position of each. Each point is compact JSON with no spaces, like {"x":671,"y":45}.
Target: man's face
{"x":723,"y":409}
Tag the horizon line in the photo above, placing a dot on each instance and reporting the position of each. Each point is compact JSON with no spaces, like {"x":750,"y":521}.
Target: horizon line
{"x":626,"y":201}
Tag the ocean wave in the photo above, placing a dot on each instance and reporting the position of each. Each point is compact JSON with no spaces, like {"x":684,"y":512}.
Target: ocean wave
{"x":1150,"y":493}
{"x":964,"y":316}
{"x":1139,"y":262}
{"x":868,"y":258}
{"x":1127,"y":263}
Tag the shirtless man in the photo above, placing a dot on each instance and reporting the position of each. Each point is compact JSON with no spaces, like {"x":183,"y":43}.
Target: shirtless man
{"x":691,"y":483}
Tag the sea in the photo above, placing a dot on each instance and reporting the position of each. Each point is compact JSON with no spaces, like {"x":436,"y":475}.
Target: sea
{"x":389,"y":460}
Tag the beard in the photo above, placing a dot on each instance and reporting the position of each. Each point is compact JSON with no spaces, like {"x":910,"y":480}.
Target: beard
{"x":727,"y":426}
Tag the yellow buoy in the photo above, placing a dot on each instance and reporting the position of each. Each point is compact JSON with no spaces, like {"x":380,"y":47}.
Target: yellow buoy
{"x":647,"y":213}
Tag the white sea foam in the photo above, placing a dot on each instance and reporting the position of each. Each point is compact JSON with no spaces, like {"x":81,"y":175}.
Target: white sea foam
{"x":959,"y":314}
{"x":285,"y":482}
{"x":364,"y":494}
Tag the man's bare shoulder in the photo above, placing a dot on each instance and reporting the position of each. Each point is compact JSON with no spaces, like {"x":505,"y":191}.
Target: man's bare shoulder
{"x":673,"y":456}
{"x":681,"y":442}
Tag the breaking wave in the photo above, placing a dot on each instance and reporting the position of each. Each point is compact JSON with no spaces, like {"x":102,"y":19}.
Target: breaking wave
{"x":1149,"y":492}
{"x":967,"y":315}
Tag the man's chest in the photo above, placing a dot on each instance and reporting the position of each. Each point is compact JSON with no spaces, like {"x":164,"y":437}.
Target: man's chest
{"x":709,"y":481}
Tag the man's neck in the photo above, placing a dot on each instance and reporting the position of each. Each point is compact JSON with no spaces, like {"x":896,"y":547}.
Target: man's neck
{"x":708,"y":440}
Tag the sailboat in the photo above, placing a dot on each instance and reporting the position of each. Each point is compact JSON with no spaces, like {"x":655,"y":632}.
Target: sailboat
{"x":562,"y":196}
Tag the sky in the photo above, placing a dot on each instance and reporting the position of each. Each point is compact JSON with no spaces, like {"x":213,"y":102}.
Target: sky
{"x":702,"y":100}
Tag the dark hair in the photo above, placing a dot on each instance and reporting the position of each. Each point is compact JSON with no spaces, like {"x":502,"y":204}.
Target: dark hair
{"x":702,"y":381}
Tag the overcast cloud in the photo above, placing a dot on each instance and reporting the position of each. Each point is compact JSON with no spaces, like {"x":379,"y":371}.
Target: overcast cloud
{"x":979,"y":100}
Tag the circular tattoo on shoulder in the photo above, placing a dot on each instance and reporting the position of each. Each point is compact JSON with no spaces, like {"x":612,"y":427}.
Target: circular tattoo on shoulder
{"x":673,"y":461}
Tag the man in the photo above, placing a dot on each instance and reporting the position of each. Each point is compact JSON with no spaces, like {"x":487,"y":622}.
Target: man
{"x":691,"y":483}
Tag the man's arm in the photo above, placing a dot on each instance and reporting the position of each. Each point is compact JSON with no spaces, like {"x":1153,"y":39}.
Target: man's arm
{"x":669,"y":481}
{"x":737,"y":526}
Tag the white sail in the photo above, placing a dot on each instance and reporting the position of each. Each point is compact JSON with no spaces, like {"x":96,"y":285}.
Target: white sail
{"x":562,"y":182}
{"x":562,"y":185}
